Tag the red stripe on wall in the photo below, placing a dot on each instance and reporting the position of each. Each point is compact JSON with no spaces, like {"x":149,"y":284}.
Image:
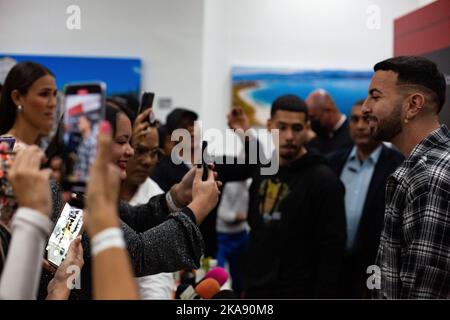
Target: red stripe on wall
{"x":424,"y":30}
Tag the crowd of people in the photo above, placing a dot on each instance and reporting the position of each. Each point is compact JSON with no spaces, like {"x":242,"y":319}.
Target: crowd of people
{"x":358,"y":209}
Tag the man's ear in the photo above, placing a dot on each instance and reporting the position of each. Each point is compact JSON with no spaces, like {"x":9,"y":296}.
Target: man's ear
{"x":416,"y":102}
{"x":308,"y":125}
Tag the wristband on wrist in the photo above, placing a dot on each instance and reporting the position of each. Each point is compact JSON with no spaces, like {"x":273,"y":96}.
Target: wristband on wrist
{"x":106,"y":239}
{"x":171,"y":204}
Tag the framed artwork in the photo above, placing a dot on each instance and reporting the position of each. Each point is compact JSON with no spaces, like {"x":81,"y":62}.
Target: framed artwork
{"x":254,"y":89}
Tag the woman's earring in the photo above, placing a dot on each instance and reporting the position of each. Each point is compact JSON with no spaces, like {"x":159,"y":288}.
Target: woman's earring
{"x":406,"y":120}
{"x":19,"y":108}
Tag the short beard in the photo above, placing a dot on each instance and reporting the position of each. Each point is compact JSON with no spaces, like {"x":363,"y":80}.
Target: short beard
{"x":292,"y":156}
{"x":391,"y":126}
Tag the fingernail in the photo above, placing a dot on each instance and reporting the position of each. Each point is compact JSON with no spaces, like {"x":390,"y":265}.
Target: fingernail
{"x":105,"y":127}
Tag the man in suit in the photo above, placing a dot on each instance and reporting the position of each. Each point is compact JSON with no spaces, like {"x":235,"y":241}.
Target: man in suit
{"x":328,"y":123}
{"x":364,"y":170}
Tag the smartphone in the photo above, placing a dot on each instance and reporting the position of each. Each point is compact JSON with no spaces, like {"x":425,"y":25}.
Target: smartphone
{"x":68,"y":226}
{"x":6,"y":159}
{"x":204,"y":164}
{"x":84,"y":109}
{"x":8,"y":142}
{"x":147,"y":103}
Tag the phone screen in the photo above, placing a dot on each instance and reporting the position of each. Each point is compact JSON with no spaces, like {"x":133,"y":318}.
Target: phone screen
{"x":8,"y":143}
{"x":8,"y":203}
{"x":6,"y":160}
{"x":67,"y":228}
{"x":84,"y":108}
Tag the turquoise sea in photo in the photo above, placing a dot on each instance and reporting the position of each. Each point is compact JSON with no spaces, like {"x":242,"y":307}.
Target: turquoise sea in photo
{"x":346,"y":87}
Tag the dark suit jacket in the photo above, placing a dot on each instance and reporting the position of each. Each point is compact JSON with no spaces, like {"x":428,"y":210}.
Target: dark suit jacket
{"x":339,"y":140}
{"x":372,"y":219}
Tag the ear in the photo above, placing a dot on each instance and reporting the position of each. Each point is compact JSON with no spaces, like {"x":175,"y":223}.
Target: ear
{"x":308,"y":125}
{"x":415,"y":103}
{"x":16,"y":97}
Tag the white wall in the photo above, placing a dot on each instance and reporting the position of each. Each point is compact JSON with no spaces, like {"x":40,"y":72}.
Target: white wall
{"x":290,"y":33}
{"x":166,"y":34}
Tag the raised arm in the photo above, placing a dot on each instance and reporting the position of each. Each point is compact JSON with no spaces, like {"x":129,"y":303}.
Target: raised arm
{"x":242,"y":167}
{"x":156,"y":210}
{"x":30,"y":228}
{"x":111,"y":268}
{"x":176,"y":243}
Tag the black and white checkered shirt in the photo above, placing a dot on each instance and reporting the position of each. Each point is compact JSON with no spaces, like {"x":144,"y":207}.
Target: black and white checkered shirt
{"x":414,"y":252}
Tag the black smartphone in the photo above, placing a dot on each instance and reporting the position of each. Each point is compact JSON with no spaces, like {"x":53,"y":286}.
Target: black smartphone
{"x":84,"y":109}
{"x":68,"y":226}
{"x":204,"y":164}
{"x":147,"y":103}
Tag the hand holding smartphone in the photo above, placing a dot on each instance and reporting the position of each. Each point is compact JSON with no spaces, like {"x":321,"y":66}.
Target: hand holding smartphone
{"x":84,"y":108}
{"x":147,"y":103}
{"x":68,"y":226}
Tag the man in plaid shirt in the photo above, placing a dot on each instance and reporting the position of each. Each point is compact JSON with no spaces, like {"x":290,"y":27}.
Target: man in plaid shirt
{"x":87,"y":147}
{"x":406,"y":95}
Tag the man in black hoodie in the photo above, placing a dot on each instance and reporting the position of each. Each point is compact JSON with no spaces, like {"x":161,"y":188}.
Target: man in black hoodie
{"x":297,"y":216}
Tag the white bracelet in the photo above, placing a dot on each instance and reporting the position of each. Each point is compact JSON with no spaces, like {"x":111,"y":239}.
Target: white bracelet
{"x":170,"y":203}
{"x":106,"y":239}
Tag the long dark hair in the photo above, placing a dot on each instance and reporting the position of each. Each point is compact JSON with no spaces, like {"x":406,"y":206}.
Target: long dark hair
{"x":113,"y":108}
{"x":21,"y":77}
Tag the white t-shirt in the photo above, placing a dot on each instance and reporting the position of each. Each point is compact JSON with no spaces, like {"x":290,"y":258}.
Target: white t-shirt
{"x":157,"y":286}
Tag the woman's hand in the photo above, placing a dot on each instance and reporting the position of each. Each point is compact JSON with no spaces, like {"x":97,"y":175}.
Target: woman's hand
{"x":30,"y":183}
{"x":141,"y":127}
{"x":102,"y":194}
{"x":205,"y":194}
{"x":182,"y":192}
{"x":61,"y":284}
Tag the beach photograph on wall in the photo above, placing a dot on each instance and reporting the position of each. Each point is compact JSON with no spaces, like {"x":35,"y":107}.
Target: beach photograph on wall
{"x":254,"y":89}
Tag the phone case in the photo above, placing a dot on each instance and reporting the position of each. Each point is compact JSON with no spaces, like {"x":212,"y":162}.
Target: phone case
{"x":84,"y":109}
{"x":68,"y":226}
